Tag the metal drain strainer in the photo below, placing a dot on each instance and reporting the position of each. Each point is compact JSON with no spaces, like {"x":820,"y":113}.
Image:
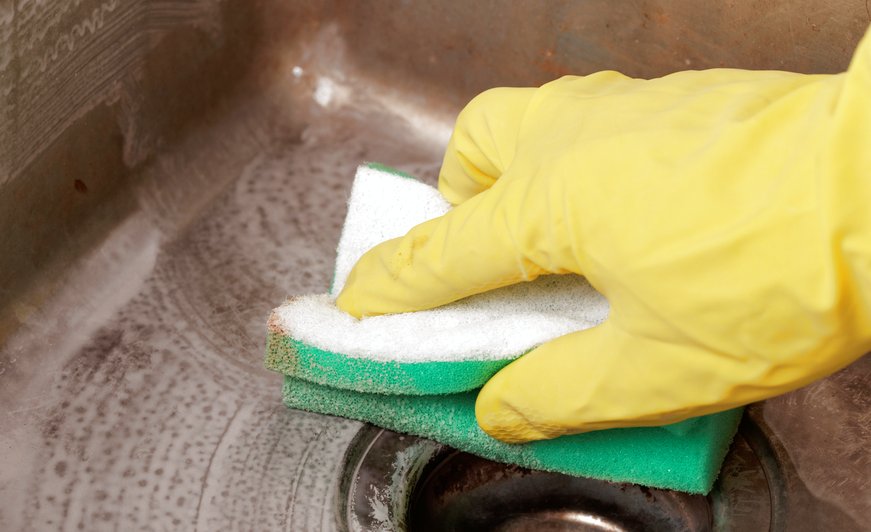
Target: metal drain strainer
{"x":397,"y":482}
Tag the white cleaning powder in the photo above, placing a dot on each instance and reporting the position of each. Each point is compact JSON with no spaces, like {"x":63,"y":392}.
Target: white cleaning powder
{"x":500,"y":324}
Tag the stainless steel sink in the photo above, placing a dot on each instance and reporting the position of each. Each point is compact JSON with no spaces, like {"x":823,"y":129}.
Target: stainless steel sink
{"x":170,"y":171}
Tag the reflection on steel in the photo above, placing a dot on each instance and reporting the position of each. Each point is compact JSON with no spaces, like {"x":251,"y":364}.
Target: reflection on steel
{"x":169,"y":171}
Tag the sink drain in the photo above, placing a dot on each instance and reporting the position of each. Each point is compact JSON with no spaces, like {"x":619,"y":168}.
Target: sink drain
{"x":464,"y":492}
{"x":397,"y":482}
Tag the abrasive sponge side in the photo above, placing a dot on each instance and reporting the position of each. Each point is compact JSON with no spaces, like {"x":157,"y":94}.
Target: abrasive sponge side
{"x":685,"y":456}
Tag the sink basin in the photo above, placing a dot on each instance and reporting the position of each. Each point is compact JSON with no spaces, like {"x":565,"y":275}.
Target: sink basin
{"x":170,"y":171}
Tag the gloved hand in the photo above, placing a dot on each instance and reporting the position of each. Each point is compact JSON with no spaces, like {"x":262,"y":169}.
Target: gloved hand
{"x":725,"y":215}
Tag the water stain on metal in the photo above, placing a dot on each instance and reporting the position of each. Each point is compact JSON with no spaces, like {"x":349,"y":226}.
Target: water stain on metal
{"x":167,"y":175}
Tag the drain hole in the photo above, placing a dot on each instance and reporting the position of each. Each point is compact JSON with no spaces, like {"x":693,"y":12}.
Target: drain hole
{"x":459,"y":491}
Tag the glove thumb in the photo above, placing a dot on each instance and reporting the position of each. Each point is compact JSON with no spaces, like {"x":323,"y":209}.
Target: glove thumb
{"x":603,"y":378}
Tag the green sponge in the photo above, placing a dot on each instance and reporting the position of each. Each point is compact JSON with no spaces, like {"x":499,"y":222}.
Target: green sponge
{"x":419,"y":372}
{"x":685,"y":456}
{"x":289,"y":356}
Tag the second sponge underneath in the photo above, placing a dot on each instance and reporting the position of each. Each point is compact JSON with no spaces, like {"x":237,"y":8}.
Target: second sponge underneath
{"x":685,"y":456}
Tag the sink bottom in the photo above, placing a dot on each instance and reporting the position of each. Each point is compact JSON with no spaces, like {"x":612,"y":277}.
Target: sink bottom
{"x":465,"y":492}
{"x":397,"y":482}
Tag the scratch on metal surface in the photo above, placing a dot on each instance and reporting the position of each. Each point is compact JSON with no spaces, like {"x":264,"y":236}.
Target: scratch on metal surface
{"x":289,"y":507}
{"x":60,"y":60}
{"x":209,"y":466}
{"x":68,"y":40}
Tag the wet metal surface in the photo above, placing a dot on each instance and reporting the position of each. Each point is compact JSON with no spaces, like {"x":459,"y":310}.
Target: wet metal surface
{"x":170,"y":171}
{"x":137,"y":400}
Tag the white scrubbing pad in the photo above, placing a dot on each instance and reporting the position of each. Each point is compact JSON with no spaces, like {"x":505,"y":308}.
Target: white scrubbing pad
{"x":382,"y":206}
{"x":500,"y":324}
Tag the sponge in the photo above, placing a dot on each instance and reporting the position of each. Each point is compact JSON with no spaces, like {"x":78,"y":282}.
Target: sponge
{"x":685,"y":456}
{"x":419,"y":372}
{"x":465,"y":342}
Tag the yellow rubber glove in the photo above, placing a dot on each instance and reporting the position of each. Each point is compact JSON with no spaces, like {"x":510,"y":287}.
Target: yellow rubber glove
{"x":725,"y":214}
